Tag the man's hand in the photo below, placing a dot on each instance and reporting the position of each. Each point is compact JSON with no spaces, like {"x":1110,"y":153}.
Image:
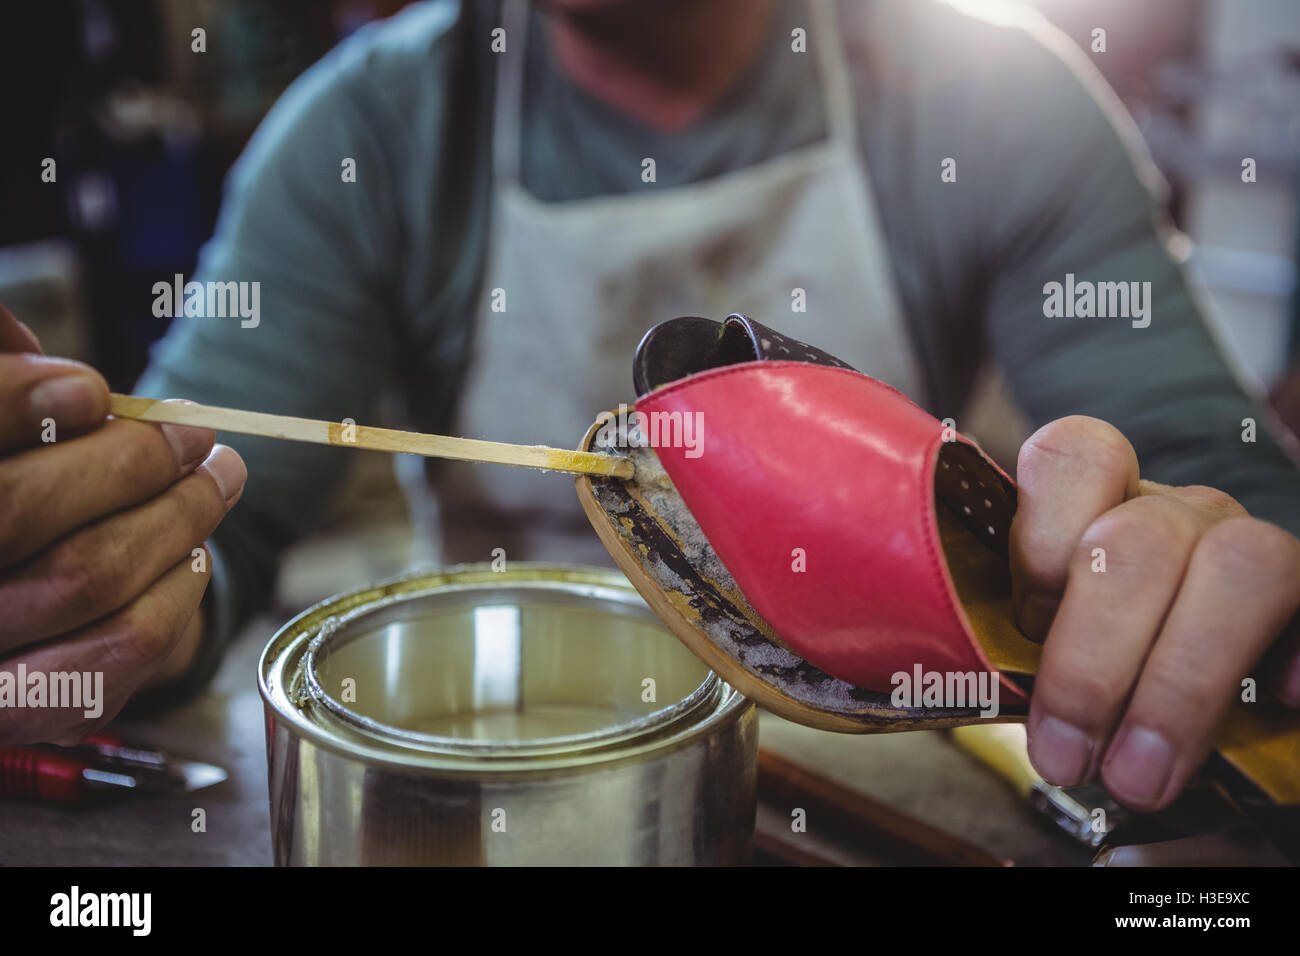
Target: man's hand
{"x":1142,"y":659}
{"x":97,"y":531}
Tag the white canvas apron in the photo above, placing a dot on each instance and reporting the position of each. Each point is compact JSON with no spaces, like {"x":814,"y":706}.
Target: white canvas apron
{"x":583,"y":281}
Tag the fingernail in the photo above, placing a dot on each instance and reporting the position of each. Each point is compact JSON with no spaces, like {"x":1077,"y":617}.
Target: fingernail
{"x":1138,"y":768}
{"x":188,"y":444}
{"x":1036,"y":615}
{"x":227,"y":470}
{"x":1061,"y":752}
{"x":70,"y":400}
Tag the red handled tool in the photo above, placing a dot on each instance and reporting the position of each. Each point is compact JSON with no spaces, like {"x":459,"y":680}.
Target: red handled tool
{"x":97,"y":768}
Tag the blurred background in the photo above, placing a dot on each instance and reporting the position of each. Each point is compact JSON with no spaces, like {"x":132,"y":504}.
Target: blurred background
{"x":142,"y":133}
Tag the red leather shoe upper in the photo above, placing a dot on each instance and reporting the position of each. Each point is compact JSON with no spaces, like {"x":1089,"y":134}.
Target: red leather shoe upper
{"x":826,"y":461}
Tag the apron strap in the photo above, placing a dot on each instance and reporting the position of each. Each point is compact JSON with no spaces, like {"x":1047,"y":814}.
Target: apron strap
{"x":507,"y":125}
{"x":832,"y":64}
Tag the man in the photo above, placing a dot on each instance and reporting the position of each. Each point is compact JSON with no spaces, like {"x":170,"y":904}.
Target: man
{"x":488,"y":208}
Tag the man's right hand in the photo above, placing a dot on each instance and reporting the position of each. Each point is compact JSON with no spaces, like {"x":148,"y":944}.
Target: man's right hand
{"x":99,"y":521}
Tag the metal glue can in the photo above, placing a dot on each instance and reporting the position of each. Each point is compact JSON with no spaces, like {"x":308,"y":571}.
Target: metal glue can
{"x":536,"y":715}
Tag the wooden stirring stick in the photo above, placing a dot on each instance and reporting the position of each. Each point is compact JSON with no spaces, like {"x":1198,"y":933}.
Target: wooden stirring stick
{"x":373,"y":439}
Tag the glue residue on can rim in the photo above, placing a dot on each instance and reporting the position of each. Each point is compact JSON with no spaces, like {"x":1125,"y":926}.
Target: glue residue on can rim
{"x":540,"y":714}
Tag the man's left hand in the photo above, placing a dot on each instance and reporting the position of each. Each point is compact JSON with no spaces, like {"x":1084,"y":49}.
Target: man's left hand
{"x":1155,"y":604}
